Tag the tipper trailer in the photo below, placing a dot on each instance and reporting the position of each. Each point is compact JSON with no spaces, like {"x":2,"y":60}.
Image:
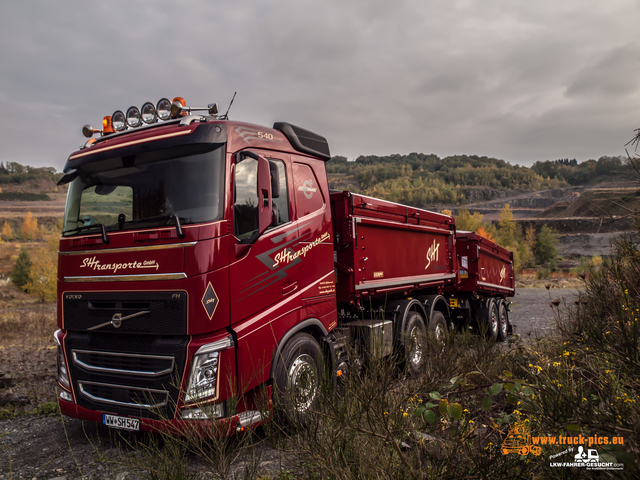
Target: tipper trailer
{"x":204,"y":262}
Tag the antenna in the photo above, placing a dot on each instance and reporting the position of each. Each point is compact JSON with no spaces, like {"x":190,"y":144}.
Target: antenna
{"x":226,"y":115}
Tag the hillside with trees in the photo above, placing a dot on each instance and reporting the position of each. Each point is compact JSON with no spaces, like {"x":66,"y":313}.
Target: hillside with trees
{"x":587,"y":172}
{"x":421,"y":180}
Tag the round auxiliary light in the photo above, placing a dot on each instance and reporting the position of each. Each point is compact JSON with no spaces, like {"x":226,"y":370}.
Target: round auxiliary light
{"x":133,"y":117}
{"x":163,"y":109}
{"x":148,"y":113}
{"x":118,"y":120}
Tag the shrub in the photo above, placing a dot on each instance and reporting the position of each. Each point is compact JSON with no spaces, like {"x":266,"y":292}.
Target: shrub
{"x":21,"y":274}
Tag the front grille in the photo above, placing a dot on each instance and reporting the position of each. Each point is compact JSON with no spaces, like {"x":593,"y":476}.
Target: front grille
{"x":149,"y":313}
{"x":136,"y":375}
{"x":110,"y":362}
{"x":124,"y":396}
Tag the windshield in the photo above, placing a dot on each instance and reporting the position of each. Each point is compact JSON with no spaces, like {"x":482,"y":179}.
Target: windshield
{"x":147,"y":191}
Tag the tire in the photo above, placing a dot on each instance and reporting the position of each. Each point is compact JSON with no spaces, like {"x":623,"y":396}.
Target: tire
{"x":492,"y":321}
{"x":298,"y":376}
{"x":503,"y":322}
{"x":438,"y":326}
{"x":414,"y":335}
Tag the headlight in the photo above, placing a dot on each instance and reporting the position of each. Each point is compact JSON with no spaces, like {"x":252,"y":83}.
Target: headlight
{"x":63,"y":372}
{"x":203,"y":379}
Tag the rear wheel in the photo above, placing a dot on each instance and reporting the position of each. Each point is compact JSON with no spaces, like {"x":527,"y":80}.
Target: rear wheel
{"x":503,"y":318}
{"x":298,"y":376}
{"x":438,"y":326}
{"x":490,"y":320}
{"x":413,"y":342}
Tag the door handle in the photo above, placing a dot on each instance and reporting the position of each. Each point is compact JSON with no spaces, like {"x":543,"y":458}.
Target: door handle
{"x":289,"y":288}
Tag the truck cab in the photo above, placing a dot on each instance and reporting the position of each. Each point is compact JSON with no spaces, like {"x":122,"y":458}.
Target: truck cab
{"x":181,"y":281}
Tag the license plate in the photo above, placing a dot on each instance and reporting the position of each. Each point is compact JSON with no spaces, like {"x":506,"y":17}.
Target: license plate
{"x":123,"y":423}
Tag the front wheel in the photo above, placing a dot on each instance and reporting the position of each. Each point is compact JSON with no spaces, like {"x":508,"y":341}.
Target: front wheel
{"x":298,"y":376}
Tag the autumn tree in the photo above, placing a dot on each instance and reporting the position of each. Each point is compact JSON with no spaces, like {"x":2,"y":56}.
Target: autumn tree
{"x":42,"y":282}
{"x":7,"y":231}
{"x":29,"y":227}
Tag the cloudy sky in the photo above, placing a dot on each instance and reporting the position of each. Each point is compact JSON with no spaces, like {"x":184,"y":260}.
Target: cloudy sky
{"x":517,"y":80}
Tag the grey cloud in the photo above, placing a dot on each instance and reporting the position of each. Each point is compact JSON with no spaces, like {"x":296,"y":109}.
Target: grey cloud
{"x":521,"y":81}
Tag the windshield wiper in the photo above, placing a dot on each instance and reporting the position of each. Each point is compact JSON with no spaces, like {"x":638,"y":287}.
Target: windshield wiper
{"x":175,"y":218}
{"x":105,"y":239}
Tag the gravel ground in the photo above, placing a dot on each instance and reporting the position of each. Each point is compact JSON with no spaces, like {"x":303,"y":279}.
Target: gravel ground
{"x":532,"y":313}
{"x":47,"y":448}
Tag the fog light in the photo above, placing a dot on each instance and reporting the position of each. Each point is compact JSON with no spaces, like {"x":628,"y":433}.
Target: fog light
{"x":118,"y":120}
{"x":163,"y":109}
{"x":66,"y":396}
{"x":249,"y":417}
{"x":148,"y":113}
{"x":133,"y":117}
{"x":206,"y":412}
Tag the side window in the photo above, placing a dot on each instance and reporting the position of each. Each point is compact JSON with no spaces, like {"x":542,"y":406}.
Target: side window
{"x":307,"y":192}
{"x":245,"y":202}
{"x":279,"y":192}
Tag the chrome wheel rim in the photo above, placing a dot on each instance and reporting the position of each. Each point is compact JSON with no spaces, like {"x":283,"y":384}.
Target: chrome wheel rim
{"x":494,"y":322}
{"x":503,"y":324}
{"x":415,"y":354}
{"x":303,"y":382}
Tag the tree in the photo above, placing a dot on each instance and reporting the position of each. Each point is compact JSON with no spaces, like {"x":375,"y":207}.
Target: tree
{"x":506,"y":227}
{"x":29,"y":227}
{"x":42,"y":282}
{"x":21,"y":274}
{"x":7,"y":231}
{"x":546,"y":246}
{"x":483,"y":233}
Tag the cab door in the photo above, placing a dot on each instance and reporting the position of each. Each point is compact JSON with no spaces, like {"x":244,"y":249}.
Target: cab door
{"x":264,"y":273}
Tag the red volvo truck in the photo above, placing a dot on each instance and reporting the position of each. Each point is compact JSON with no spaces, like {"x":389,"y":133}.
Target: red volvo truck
{"x":204,"y":262}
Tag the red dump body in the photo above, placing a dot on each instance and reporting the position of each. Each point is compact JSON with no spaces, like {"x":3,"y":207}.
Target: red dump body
{"x":484,"y":266}
{"x":384,"y":247}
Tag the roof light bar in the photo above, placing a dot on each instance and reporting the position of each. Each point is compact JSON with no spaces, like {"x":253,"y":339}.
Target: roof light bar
{"x":148,"y":114}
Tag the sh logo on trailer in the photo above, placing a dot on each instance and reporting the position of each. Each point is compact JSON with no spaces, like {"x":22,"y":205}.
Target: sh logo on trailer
{"x":432,"y":254}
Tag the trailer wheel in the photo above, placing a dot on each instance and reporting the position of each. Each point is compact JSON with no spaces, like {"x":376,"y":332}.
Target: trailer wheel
{"x":438,"y":325}
{"x":298,"y":376}
{"x":413,"y":342}
{"x":504,"y":322}
{"x":492,"y":321}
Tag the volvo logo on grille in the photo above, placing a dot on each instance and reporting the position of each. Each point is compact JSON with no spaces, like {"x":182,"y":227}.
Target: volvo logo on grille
{"x":117,"y":320}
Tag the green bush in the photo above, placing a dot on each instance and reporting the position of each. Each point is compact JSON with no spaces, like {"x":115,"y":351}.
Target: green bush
{"x":21,"y":274}
{"x":545,"y":247}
